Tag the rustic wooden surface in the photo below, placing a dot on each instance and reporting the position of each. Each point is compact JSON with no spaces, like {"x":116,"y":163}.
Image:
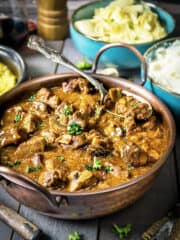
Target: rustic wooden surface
{"x":155,"y":203}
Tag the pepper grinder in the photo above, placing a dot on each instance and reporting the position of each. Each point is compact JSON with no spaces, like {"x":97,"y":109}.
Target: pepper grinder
{"x":52,"y":21}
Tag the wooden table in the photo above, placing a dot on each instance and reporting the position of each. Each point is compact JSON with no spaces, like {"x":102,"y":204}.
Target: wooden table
{"x":155,"y":203}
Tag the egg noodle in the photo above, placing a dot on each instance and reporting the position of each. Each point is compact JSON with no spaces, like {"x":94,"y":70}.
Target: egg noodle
{"x":123,"y":20}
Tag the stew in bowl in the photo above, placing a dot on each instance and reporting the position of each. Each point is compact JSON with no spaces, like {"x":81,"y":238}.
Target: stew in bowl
{"x":64,"y":139}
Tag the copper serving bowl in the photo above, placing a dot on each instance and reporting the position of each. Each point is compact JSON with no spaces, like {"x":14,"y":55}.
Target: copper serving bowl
{"x":82,"y":205}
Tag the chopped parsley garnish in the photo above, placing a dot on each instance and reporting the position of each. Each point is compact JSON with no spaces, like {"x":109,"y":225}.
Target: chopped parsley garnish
{"x":108,"y":169}
{"x":28,"y":169}
{"x":37,"y":168}
{"x":11,"y":165}
{"x":131,"y":25}
{"x":34,"y":169}
{"x":124,"y":128}
{"x":32,"y":98}
{"x":132,"y":104}
{"x":122,"y":232}
{"x":16,"y":163}
{"x":74,"y":236}
{"x":89,"y":167}
{"x":74,"y":128}
{"x":46,"y":139}
{"x":84,"y":65}
{"x":17,"y":117}
{"x":119,"y":95}
{"x":97,"y":112}
{"x":60,"y":157}
{"x":97,"y":165}
{"x":41,"y":125}
{"x":130,"y":168}
{"x":68,"y":110}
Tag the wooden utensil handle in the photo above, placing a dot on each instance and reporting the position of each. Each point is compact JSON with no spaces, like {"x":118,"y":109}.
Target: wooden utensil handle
{"x":21,"y":225}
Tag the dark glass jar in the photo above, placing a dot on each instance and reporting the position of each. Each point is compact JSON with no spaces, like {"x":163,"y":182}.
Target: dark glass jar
{"x":13,"y":22}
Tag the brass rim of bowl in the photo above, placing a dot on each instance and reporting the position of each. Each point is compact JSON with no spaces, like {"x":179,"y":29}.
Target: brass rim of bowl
{"x":133,"y":44}
{"x":157,"y":166}
{"x":154,"y":48}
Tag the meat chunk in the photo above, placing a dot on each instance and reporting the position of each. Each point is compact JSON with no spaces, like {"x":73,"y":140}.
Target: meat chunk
{"x":62,"y":119}
{"x":55,"y":174}
{"x":78,"y":141}
{"x":120,"y":173}
{"x":113,"y":130}
{"x":79,"y":118}
{"x":130,"y":106}
{"x":53,"y":101}
{"x":63,"y":112}
{"x":73,"y":142}
{"x":15,"y":109}
{"x":65,"y":109}
{"x":150,"y":124}
{"x":49,"y":136}
{"x":121,"y":106}
{"x":96,"y":139}
{"x":79,"y":84}
{"x":129,"y":124}
{"x":134,"y":156}
{"x":10,"y":136}
{"x":79,"y":180}
{"x":115,"y":94}
{"x":52,"y":179}
{"x":43,"y":94}
{"x":40,"y":106}
{"x":65,"y":139}
{"x":86,"y":108}
{"x":29,"y":123}
{"x":99,"y":145}
{"x":29,"y":148}
{"x":56,"y":126}
{"x":142,"y":111}
{"x":36,"y":159}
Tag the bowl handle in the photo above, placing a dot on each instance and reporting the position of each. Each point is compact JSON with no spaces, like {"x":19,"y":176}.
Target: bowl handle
{"x":23,"y":181}
{"x":143,"y":67}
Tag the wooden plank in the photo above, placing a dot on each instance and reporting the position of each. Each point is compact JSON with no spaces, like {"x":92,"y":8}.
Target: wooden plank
{"x":70,"y":53}
{"x":58,"y":229}
{"x":37,"y":64}
{"x":5,"y":231}
{"x":155,"y":204}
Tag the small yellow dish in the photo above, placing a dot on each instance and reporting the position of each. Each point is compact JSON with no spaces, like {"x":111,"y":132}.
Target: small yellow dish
{"x":7,"y":79}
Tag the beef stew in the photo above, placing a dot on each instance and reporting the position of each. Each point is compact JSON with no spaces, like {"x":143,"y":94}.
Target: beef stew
{"x":64,"y":139}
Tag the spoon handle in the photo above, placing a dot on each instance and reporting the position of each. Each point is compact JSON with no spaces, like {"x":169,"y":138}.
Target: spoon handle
{"x":39,"y":45}
{"x":21,"y":225}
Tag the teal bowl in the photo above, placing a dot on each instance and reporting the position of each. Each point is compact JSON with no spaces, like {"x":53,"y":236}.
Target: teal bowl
{"x":171,"y":99}
{"x":120,"y":57}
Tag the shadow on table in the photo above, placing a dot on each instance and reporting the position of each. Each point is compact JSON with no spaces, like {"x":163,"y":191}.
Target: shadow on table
{"x":44,"y":237}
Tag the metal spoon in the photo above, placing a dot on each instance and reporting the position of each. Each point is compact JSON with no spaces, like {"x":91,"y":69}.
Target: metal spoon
{"x":39,"y":45}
